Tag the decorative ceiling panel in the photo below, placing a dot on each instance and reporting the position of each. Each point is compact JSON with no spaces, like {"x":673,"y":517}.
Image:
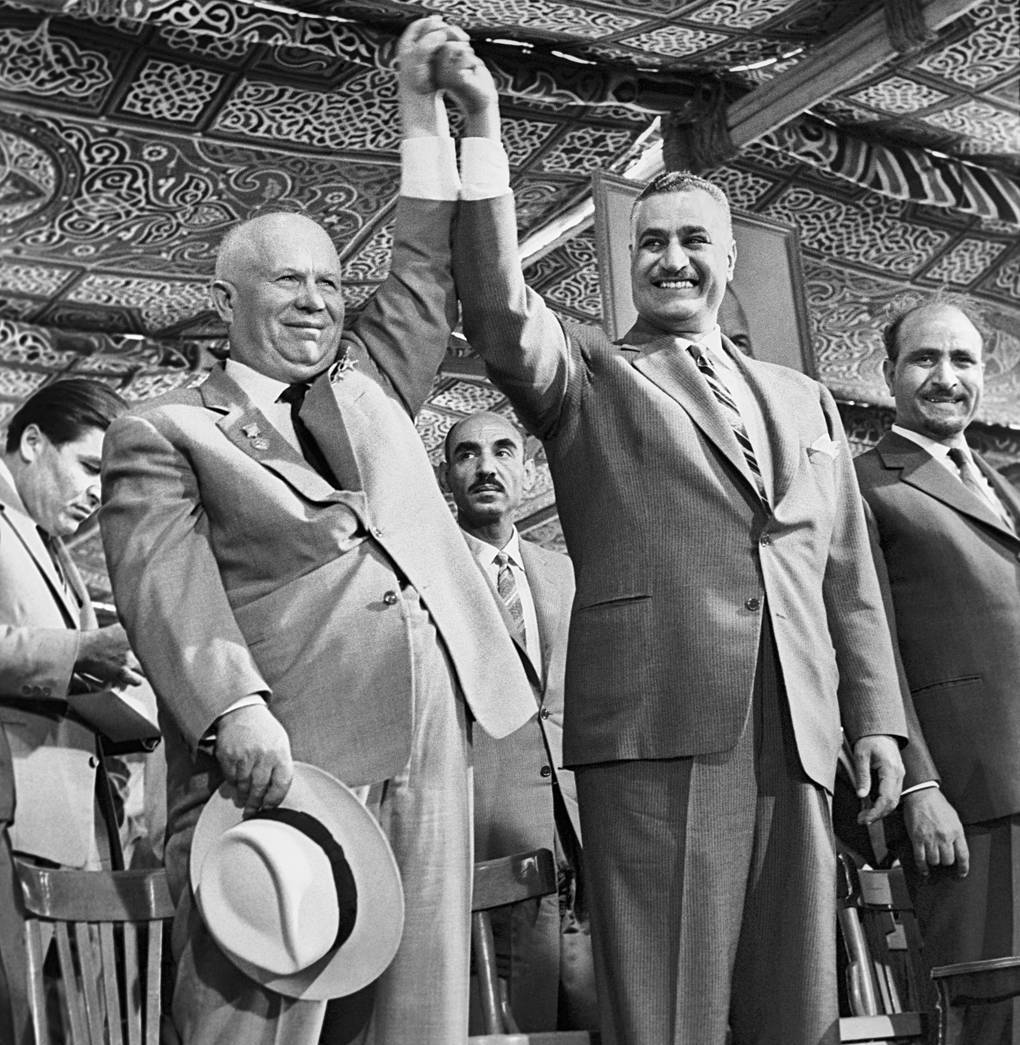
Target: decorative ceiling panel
{"x":134,"y":132}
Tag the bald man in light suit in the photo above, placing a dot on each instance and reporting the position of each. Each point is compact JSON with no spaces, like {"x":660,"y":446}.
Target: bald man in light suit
{"x":296,"y":587}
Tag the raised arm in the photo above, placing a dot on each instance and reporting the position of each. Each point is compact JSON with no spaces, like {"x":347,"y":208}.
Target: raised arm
{"x":405,"y":328}
{"x":523,"y":345}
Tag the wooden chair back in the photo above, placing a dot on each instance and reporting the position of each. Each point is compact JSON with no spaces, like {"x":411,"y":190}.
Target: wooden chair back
{"x":107,"y":929}
{"x":497,"y":883}
{"x":972,"y":983}
{"x":883,"y":946}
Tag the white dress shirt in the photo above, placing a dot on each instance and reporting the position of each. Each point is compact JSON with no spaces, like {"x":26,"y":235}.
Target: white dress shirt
{"x":940,"y":451}
{"x":485,"y":554}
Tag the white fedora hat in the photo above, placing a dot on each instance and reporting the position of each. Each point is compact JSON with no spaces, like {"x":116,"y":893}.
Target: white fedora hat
{"x":306,"y":898}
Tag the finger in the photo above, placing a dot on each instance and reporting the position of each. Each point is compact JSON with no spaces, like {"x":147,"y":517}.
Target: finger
{"x":962,"y":858}
{"x":920,"y":858}
{"x":279,"y":785}
{"x":417,"y":29}
{"x":127,"y":677}
{"x":862,"y":772}
{"x":258,"y":783}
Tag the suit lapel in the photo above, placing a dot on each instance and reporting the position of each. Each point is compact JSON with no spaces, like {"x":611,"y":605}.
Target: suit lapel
{"x":919,"y":469}
{"x":26,"y":532}
{"x":546,"y":609}
{"x":674,"y":372}
{"x":1005,"y":490}
{"x":249,"y":430}
{"x":784,"y":442}
{"x":326,"y":421}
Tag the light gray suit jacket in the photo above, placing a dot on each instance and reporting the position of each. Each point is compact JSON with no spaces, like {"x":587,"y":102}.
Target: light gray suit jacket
{"x":54,"y":757}
{"x":237,"y":569}
{"x":674,"y":556}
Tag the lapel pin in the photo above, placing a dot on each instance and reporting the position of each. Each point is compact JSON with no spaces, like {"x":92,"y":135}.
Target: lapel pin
{"x":342,"y":366}
{"x":251,"y":431}
{"x":260,"y":444}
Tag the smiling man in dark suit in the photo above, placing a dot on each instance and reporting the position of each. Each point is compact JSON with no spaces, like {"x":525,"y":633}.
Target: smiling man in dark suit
{"x":728,"y":619}
{"x":945,"y":524}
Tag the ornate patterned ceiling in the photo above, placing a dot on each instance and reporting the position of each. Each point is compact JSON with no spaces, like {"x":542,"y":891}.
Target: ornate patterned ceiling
{"x":134,"y":132}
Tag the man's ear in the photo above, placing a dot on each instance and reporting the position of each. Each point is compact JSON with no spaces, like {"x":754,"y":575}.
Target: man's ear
{"x":731,"y":258}
{"x":31,"y":443}
{"x":222,"y":294}
{"x":889,"y":372}
{"x":443,"y":474}
{"x":530,"y":475}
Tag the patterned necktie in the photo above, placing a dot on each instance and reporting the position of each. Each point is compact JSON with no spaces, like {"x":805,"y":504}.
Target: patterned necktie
{"x":732,"y":414}
{"x":506,"y":585}
{"x":971,"y":478}
{"x":294,"y":395}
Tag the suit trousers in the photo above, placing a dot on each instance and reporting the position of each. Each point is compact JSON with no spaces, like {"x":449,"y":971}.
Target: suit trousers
{"x":422,"y":998}
{"x":974,"y":918}
{"x":713,"y":890}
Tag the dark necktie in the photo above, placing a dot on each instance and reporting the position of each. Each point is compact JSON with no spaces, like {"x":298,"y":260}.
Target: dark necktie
{"x":506,"y":585}
{"x":971,"y":478}
{"x":731,"y":412}
{"x":294,"y":395}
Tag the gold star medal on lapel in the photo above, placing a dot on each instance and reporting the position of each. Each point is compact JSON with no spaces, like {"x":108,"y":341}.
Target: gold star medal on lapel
{"x":344,"y":365}
{"x":254,"y":434}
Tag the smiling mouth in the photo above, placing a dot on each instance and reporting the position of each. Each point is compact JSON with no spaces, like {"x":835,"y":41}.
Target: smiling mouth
{"x":675,"y":284}
{"x":488,"y":488}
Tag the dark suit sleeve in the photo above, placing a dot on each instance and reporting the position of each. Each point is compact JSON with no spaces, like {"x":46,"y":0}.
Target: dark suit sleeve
{"x":166,"y":581}
{"x":405,"y":327}
{"x":917,"y":760}
{"x":524,"y":347}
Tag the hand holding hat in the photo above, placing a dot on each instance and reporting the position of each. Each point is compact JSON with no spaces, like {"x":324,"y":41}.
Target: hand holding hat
{"x":306,"y":898}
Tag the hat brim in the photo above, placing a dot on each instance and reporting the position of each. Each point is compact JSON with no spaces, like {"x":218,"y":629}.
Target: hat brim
{"x":370,"y":948}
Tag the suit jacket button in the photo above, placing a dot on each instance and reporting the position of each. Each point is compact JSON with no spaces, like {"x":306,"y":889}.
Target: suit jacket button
{"x":390,"y":598}
{"x":546,"y":712}
{"x":376,"y":532}
{"x":93,"y":762}
{"x":545,"y":771}
{"x":766,"y":539}
{"x":753,"y":603}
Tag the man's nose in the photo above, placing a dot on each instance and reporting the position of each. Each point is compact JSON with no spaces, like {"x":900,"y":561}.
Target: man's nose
{"x":310,"y":296}
{"x":674,"y":257}
{"x":945,"y":373}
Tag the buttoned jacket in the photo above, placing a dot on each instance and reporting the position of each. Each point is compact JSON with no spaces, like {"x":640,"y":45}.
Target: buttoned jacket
{"x":53,"y":757}
{"x":515,"y":776}
{"x":238,"y":569}
{"x":954,"y":576}
{"x":675,"y":556}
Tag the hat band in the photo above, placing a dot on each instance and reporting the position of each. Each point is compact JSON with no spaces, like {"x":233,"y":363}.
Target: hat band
{"x":343,"y":879}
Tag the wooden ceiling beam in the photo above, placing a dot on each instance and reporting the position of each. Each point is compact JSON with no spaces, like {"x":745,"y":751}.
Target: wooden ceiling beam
{"x":857,"y":51}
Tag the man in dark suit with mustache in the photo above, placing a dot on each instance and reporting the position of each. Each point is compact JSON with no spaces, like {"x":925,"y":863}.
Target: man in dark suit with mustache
{"x":945,"y":525}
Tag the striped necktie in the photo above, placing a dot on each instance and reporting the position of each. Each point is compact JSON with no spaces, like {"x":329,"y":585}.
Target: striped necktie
{"x":506,"y":585}
{"x":731,"y":412}
{"x":972,"y":479}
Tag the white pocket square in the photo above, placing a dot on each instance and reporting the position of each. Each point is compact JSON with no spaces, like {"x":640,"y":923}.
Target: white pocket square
{"x":823,"y":445}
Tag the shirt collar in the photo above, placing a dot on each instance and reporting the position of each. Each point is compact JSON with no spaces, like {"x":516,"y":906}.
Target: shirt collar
{"x":263,"y":391}
{"x":935,"y":447}
{"x":484,"y":552}
{"x":711,"y":342}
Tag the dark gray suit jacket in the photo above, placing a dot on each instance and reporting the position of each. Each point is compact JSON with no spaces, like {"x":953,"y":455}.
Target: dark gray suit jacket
{"x":954,"y":577}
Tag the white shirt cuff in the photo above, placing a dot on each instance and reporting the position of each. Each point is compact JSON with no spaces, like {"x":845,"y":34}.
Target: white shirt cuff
{"x":920,"y":787}
{"x":428,"y":169}
{"x":484,"y":169}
